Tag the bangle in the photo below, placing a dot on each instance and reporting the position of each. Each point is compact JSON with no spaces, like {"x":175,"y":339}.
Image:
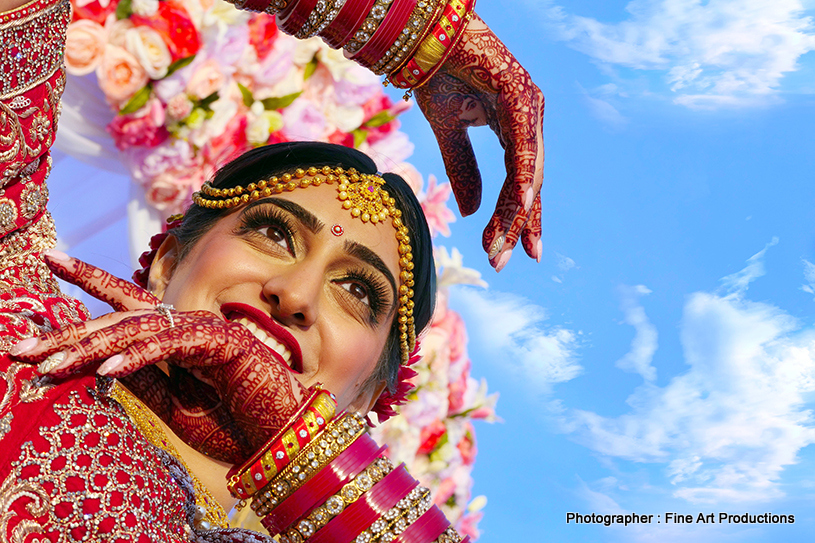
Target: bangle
{"x":292,"y":19}
{"x":336,"y":437}
{"x":414,"y":32}
{"x":324,"y":12}
{"x":346,"y":23}
{"x":260,"y":6}
{"x":359,"y":519}
{"x":307,"y":423}
{"x":369,"y":26}
{"x":386,"y":34}
{"x":399,"y":517}
{"x":435,"y":48}
{"x":427,"y":527}
{"x":337,"y":503}
{"x":450,"y":535}
{"x":328,"y":481}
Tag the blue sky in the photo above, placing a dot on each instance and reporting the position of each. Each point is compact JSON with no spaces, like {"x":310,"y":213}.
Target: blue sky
{"x":661,"y":357}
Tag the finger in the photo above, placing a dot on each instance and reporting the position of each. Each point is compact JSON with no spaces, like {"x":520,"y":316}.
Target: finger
{"x":121,"y":295}
{"x":531,"y":234}
{"x":444,"y":100}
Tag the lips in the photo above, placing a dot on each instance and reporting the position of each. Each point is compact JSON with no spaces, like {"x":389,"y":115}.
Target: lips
{"x":267,"y":331}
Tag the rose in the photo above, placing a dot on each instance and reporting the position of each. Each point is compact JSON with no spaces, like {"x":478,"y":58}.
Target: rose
{"x":144,"y":129}
{"x":206,"y":79}
{"x":147,"y":45}
{"x":303,"y":120}
{"x":176,"y":28}
{"x":145,"y":8}
{"x":262,"y":34}
{"x":179,"y":107}
{"x":120,"y":75}
{"x":94,"y":10}
{"x":85,"y":46}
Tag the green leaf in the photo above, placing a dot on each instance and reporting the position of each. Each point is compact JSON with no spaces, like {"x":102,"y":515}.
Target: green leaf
{"x":360,"y":136}
{"x":248,"y":99}
{"x":311,"y":67}
{"x":205,"y":102}
{"x":137,"y":101}
{"x":178,"y":64}
{"x":383,"y":117}
{"x":124,"y":9}
{"x":270,"y":104}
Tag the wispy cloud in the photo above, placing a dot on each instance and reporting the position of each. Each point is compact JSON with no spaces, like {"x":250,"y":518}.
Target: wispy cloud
{"x":513,"y":331}
{"x":644,"y":344}
{"x":726,"y":428}
{"x":564,"y":264}
{"x":809,"y":276}
{"x":710,"y":54}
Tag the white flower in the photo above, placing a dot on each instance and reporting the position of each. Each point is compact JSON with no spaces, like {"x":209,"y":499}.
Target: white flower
{"x":145,"y":8}
{"x":451,"y":270}
{"x":147,"y":46}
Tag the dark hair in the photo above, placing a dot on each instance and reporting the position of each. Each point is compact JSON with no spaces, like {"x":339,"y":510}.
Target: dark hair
{"x":264,"y":162}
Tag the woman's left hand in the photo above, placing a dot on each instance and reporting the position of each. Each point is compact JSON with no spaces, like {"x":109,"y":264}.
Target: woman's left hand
{"x":239,"y":396}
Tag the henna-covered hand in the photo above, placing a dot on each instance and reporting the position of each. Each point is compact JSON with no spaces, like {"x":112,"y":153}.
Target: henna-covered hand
{"x":242,"y":392}
{"x":481,"y":83}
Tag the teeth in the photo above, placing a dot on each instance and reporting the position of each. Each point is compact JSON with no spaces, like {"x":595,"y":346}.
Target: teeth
{"x":267,"y":340}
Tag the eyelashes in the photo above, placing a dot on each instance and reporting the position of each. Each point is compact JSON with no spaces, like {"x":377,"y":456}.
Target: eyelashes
{"x":281,"y":232}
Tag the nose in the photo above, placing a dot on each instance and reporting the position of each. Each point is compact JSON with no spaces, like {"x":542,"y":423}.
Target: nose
{"x":293,"y":295}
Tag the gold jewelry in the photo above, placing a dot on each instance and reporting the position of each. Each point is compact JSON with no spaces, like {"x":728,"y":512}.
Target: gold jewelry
{"x":420,"y":23}
{"x":362,"y":194}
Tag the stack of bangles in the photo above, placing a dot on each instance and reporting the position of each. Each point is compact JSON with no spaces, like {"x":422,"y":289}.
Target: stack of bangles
{"x":407,"y":39}
{"x":322,"y":479}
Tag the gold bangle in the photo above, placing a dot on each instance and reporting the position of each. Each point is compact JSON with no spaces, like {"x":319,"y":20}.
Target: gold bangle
{"x":337,"y":437}
{"x":421,"y":21}
{"x":450,"y":535}
{"x":396,"y":519}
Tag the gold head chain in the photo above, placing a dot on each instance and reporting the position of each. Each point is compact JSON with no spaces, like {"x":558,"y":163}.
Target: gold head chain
{"x":362,"y":194}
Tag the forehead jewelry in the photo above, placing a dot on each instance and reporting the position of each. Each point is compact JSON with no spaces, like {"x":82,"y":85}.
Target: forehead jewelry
{"x":363,"y":195}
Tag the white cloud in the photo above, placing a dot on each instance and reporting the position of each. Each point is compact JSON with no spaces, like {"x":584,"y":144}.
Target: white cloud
{"x":512,"y":330}
{"x":564,"y":264}
{"x":727,"y":427}
{"x":710,"y":54}
{"x":738,"y":283}
{"x":644,"y":344}
{"x":809,"y":275}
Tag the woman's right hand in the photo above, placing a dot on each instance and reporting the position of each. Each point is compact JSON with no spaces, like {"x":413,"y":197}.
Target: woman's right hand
{"x":226,"y":394}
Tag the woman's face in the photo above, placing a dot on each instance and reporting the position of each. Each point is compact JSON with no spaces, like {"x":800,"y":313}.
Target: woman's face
{"x":323,"y":296}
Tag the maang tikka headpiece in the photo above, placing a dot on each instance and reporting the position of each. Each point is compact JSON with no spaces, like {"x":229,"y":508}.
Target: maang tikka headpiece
{"x":362,"y":194}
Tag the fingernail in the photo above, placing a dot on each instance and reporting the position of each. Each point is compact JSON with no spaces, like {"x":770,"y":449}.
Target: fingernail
{"x":496,"y":246}
{"x":529,"y":196}
{"x":50,"y":364}
{"x":23,"y":346}
{"x":539,"y":250}
{"x":502,"y":260}
{"x":110,"y":364}
{"x":53,"y":254}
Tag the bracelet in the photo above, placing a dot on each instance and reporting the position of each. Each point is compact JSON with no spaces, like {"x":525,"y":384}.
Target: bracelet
{"x":292,"y":19}
{"x":337,"y":436}
{"x":307,"y":423}
{"x":337,"y":503}
{"x":398,"y":518}
{"x":426,"y":527}
{"x":414,"y":32}
{"x":395,"y":21}
{"x":346,"y":23}
{"x":435,"y":48}
{"x":369,"y":26}
{"x":324,"y":13}
{"x":450,"y":535}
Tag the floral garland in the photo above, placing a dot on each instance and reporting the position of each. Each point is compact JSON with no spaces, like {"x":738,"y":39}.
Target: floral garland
{"x":194,"y":83}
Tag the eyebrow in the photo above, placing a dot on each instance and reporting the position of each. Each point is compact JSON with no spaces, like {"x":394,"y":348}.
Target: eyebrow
{"x":363,"y":253}
{"x":315,"y":225}
{"x":308,"y":219}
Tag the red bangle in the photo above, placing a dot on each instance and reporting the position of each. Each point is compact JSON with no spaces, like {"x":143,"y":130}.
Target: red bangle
{"x":347,"y":22}
{"x":295,"y":16}
{"x":327,"y":482}
{"x":255,"y":5}
{"x":363,"y":512}
{"x":395,"y":21}
{"x":428,"y":527}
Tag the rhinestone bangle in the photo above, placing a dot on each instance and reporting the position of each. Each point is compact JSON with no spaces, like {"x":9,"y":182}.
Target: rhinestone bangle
{"x":369,"y":26}
{"x":399,"y":517}
{"x":323,"y":15}
{"x":421,"y":20}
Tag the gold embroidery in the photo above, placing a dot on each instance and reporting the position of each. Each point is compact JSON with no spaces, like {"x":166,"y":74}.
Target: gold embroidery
{"x":145,"y":421}
{"x":13,"y":490}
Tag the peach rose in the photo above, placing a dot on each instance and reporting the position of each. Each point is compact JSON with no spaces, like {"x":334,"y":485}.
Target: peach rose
{"x":207,"y":79}
{"x":120,"y":75}
{"x":149,"y":48}
{"x":84,"y":47}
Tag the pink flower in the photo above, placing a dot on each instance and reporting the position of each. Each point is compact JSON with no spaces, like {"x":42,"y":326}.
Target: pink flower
{"x":120,"y":75}
{"x":468,"y":525}
{"x":262,"y":34}
{"x":303,"y":120}
{"x":435,"y":207}
{"x":145,"y":128}
{"x":467,"y":446}
{"x":431,"y":436}
{"x":85,"y":46}
{"x":179,"y":107}
{"x":169,"y":173}
{"x":411,"y":175}
{"x":206,"y":79}
{"x":229,"y":144}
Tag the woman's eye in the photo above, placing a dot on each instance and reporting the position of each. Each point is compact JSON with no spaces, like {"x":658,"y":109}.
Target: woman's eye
{"x":277,"y":235}
{"x":360,"y":292}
